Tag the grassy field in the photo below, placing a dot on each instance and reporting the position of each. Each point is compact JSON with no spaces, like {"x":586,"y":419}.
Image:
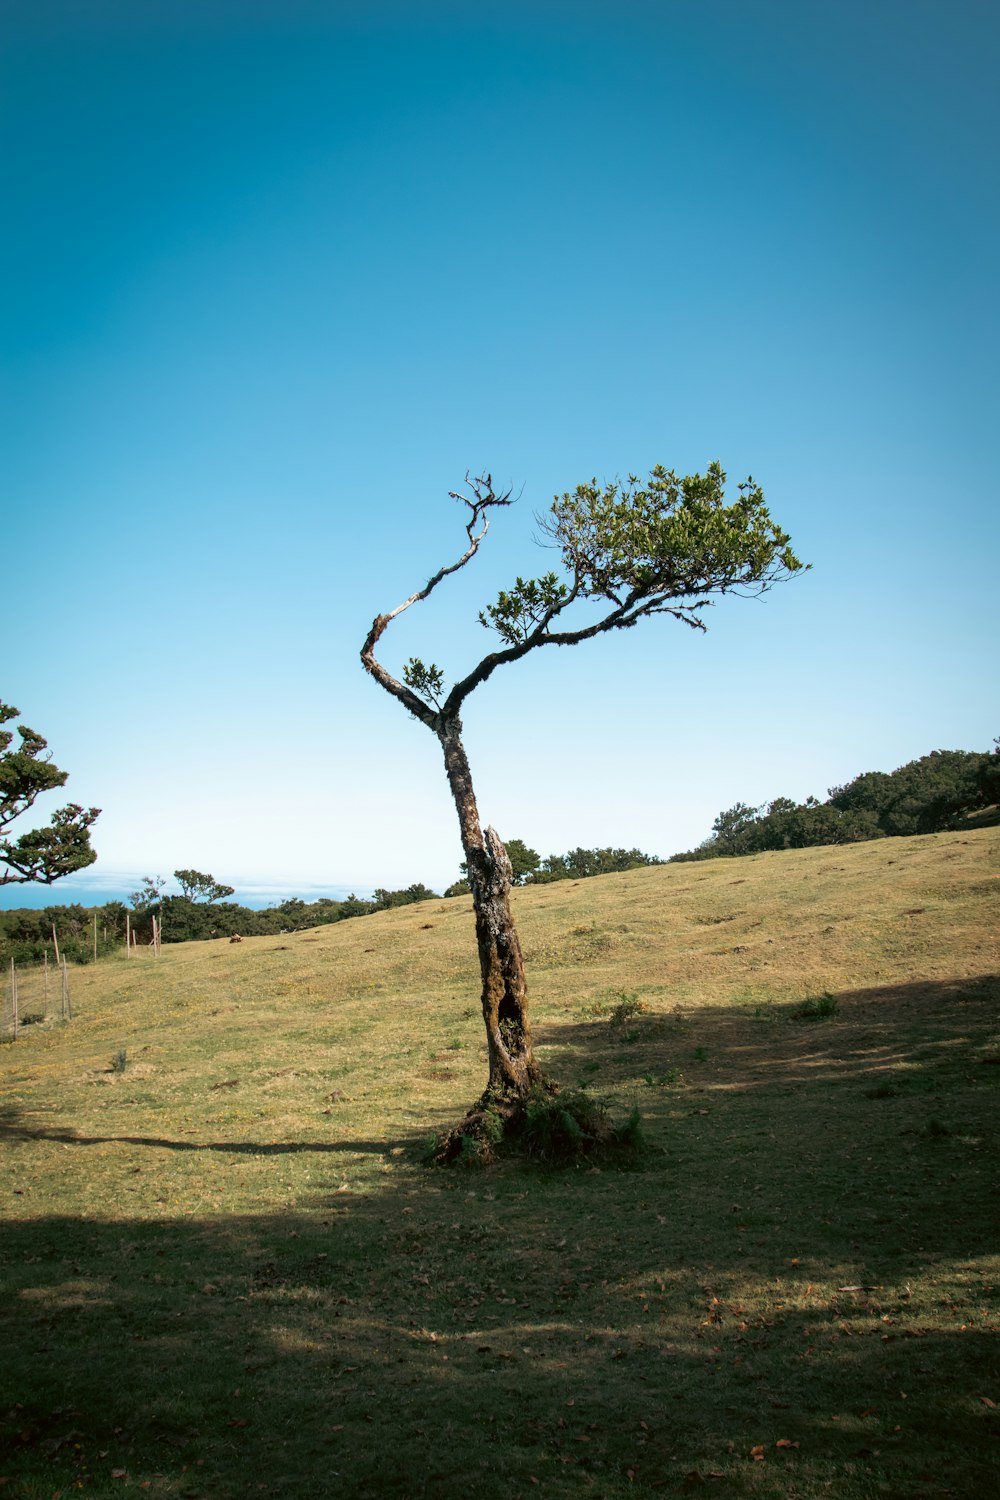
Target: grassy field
{"x":225,"y":1271}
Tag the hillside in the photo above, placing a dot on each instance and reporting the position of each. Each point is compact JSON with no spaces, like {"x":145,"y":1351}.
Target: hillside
{"x":808,"y":1265}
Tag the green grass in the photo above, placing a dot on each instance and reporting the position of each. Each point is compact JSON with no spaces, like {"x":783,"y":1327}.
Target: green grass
{"x":226,"y":1273}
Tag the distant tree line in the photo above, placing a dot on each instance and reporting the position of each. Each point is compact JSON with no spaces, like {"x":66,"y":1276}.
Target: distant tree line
{"x":530,"y":869}
{"x":201,"y":912}
{"x":26,"y":934}
{"x":930,"y":795}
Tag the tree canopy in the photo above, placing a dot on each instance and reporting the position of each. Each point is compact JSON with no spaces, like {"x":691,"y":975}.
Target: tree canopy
{"x":669,"y":545}
{"x":198,"y":887}
{"x":42,"y":855}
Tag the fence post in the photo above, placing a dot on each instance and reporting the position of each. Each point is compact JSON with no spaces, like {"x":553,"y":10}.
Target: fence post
{"x":67,"y":1008}
{"x":13,"y":996}
{"x":55,"y":941}
{"x":95,"y":937}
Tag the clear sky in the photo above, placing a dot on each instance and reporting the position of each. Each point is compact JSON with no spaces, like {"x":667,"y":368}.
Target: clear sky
{"x":275,"y":273}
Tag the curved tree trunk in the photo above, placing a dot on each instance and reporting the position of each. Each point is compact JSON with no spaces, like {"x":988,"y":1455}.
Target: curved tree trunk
{"x":513,"y":1068}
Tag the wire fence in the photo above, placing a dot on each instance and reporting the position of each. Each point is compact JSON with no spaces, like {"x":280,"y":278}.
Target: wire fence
{"x":35,"y":996}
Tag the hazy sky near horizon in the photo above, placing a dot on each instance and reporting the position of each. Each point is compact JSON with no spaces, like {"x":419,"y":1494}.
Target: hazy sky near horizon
{"x":276,"y":273}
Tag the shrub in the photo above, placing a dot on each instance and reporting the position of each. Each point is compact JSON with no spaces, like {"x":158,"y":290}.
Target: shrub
{"x":548,"y":1126}
{"x":818,"y":1010}
{"x":625,"y":1008}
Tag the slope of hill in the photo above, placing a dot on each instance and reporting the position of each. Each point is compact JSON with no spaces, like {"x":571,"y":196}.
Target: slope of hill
{"x":226,"y":1271}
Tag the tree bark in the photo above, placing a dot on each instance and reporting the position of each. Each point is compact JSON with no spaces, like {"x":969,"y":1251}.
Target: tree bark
{"x":513,"y":1068}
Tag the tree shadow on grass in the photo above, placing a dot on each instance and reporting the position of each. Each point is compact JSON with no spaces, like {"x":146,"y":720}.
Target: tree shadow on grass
{"x":12,"y":1130}
{"x":806,"y":1264}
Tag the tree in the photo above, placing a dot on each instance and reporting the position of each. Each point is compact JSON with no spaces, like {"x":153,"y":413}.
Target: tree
{"x":732,"y":828}
{"x":149,"y":894}
{"x":384,"y":899}
{"x":627,"y":551}
{"x":196,"y":886}
{"x":523,"y":864}
{"x":523,"y":861}
{"x":925,"y":796}
{"x":42,"y":854}
{"x":580,"y":864}
{"x":989,"y":777}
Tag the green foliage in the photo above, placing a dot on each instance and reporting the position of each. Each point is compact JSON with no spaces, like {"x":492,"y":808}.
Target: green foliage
{"x":523,"y":861}
{"x":731,"y":827}
{"x":41,"y":855}
{"x":924,"y":796}
{"x":196,"y":886}
{"x":581,"y":864}
{"x":384,"y":899}
{"x":120,"y":1061}
{"x":521,"y":610}
{"x":554,"y":1125}
{"x":626,"y":1008}
{"x":563,"y":1128}
{"x":665,"y":545}
{"x":147,"y":897}
{"x":822,"y":1008}
{"x":928,"y":795}
{"x":426,"y":682}
{"x":989,"y":777}
{"x":668,"y":545}
{"x":26,"y":933}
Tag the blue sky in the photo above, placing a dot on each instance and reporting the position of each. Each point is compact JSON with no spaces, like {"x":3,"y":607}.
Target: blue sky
{"x":275,"y":275}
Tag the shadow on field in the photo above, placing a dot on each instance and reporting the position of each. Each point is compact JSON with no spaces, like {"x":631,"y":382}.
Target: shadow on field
{"x":12,"y":1130}
{"x":810,"y":1262}
{"x":855,"y":1036}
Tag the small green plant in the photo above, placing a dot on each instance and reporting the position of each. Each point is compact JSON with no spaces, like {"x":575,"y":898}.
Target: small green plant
{"x":595,"y":1009}
{"x":511,"y":1032}
{"x":625,"y":1008}
{"x":818,"y":1009}
{"x":663,"y":1080}
{"x":700,"y":1055}
{"x":120,"y":1061}
{"x":474,"y":1152}
{"x":455,"y":1045}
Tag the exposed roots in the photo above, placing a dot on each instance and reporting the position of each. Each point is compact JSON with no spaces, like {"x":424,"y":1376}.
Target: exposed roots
{"x":547,"y":1125}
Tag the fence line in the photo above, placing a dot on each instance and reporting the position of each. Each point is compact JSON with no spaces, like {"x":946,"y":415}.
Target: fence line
{"x":25,"y":998}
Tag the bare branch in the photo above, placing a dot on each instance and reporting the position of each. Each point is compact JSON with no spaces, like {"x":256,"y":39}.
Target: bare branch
{"x":481,"y":499}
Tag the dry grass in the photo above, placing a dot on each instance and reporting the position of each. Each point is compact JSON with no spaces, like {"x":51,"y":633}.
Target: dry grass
{"x":225,"y":1272}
